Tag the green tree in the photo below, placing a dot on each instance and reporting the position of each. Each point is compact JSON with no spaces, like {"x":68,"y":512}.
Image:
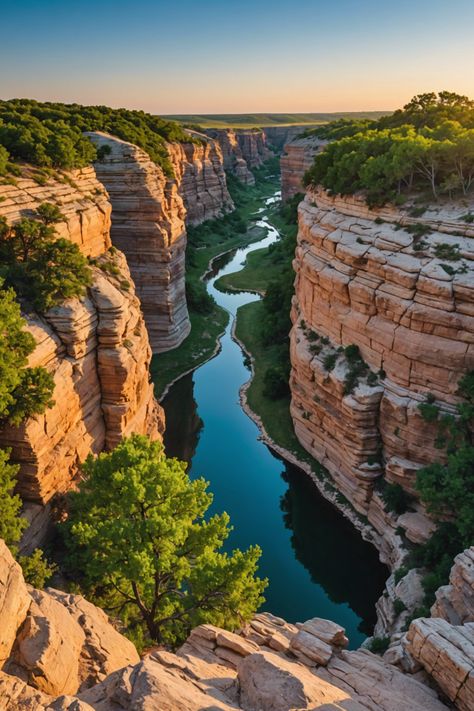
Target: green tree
{"x":23,"y":391}
{"x":36,"y":569}
{"x":42,"y":268}
{"x":137,"y":529}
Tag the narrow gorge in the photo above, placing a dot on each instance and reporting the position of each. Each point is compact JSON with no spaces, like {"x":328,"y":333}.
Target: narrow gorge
{"x":301,"y":349}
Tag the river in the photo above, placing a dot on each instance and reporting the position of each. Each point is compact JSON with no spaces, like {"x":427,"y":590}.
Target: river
{"x":316,"y":562}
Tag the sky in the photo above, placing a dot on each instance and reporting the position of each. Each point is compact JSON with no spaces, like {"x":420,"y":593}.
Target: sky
{"x":231,"y":56}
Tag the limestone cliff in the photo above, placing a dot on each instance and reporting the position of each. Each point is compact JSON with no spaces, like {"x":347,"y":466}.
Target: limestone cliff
{"x":234,"y":162}
{"x":148,"y":226}
{"x":362,"y":279}
{"x":200,"y":178}
{"x":297,"y":158}
{"x":96,"y":348}
{"x":60,"y":652}
{"x":253,"y":145}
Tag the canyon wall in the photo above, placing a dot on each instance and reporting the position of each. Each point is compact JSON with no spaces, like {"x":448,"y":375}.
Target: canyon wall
{"x":58,"y":651}
{"x":253,"y":145}
{"x":96,"y":348}
{"x":362,"y":279}
{"x":297,"y":158}
{"x":200,"y":178}
{"x":278,"y":136}
{"x":148,"y":226}
{"x":234,"y":162}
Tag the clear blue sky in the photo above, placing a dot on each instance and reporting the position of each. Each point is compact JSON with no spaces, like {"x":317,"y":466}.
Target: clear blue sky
{"x":204,"y":56}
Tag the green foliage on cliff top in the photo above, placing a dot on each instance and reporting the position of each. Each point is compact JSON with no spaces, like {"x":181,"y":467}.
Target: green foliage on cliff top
{"x":50,"y":134}
{"x":42,"y":268}
{"x":427,"y":145}
{"x":138,"y":530}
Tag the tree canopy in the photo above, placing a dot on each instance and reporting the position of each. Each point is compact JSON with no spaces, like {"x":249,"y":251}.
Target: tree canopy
{"x":138,"y":531}
{"x":51,"y":134}
{"x":42,"y":268}
{"x":427,"y":145}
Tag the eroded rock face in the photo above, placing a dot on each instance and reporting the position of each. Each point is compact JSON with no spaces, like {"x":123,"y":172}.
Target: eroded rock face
{"x":234,"y":162}
{"x":98,"y":352}
{"x":370,"y":284}
{"x":79,"y":195}
{"x":200,"y":178}
{"x":455,"y":602}
{"x":14,"y":601}
{"x":52,"y":641}
{"x":258,"y":669}
{"x":297,"y":158}
{"x":148,"y":227}
{"x":253,"y":145}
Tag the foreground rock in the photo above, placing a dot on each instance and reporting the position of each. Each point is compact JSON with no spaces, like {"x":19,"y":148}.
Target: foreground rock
{"x":148,"y":226}
{"x":52,"y":641}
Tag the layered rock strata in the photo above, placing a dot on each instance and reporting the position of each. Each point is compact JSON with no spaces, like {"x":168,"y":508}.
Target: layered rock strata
{"x":61,"y":652}
{"x":200,"y":178}
{"x":148,"y":226}
{"x":253,"y":145}
{"x":81,"y":198}
{"x":363,"y":280}
{"x":234,"y":162}
{"x":52,"y":641}
{"x":98,"y":352}
{"x":298,"y":156}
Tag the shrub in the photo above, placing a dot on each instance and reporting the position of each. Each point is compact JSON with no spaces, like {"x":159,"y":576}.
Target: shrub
{"x":329,"y":361}
{"x":395,"y":498}
{"x":379,"y":645}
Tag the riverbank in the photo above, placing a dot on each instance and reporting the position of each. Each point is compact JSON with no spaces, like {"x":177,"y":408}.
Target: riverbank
{"x":206,"y":243}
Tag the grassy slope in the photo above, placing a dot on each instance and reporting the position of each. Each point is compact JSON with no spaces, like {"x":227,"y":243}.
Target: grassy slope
{"x":202,"y":342}
{"x":259,"y":120}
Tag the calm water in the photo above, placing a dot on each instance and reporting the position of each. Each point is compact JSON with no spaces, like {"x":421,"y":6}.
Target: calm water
{"x":317,"y":564}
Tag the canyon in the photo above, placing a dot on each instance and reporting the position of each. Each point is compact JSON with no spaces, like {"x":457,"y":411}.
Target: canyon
{"x":360,"y":281}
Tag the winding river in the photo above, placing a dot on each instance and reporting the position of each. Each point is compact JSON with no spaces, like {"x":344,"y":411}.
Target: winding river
{"x":316,"y":563}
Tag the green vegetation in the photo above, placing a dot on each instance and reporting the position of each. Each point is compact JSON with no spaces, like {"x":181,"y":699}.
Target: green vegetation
{"x":262,"y":120}
{"x":24,"y":391}
{"x":36,"y":569}
{"x":50,"y":135}
{"x":42,"y":268}
{"x":429,"y":145}
{"x":394,"y":497}
{"x":205,"y":243}
{"x":138,"y":532}
{"x":379,"y":645}
{"x":447,"y":490}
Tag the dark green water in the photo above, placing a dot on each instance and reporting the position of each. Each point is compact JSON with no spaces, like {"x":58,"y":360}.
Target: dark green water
{"x":317,"y":564}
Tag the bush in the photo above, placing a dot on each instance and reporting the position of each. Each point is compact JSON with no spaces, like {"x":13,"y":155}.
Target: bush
{"x":395,"y":498}
{"x":379,"y":645}
{"x":41,"y":268}
{"x":275,"y":383}
{"x":330,"y":361}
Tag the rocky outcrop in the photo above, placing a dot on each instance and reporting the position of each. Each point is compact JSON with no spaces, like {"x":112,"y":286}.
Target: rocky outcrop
{"x":234,"y":162}
{"x":253,"y":145}
{"x":148,"y":226}
{"x":455,"y":602}
{"x":51,"y":641}
{"x":98,"y":352}
{"x":81,"y":198}
{"x":271,"y":666}
{"x":363,"y":280}
{"x":200,"y":178}
{"x":298,"y":156}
